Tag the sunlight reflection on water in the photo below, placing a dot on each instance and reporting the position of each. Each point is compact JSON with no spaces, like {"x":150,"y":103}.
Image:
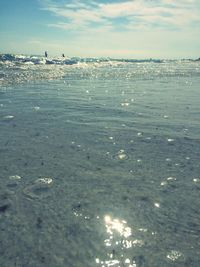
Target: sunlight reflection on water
{"x":119,"y":238}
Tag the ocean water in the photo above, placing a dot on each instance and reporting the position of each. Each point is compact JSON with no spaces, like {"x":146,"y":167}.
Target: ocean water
{"x":99,"y":164}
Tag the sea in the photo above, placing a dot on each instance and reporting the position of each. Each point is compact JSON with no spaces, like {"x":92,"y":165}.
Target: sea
{"x":99,"y":162}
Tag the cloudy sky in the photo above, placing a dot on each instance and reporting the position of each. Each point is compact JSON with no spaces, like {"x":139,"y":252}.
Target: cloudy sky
{"x":90,"y":28}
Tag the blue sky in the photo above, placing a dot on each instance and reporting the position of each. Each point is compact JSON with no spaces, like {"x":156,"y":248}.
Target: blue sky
{"x":89,"y":28}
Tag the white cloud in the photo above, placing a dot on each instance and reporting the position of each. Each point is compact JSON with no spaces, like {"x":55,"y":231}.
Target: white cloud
{"x":165,"y":13}
{"x":137,"y":28}
{"x":121,"y":9}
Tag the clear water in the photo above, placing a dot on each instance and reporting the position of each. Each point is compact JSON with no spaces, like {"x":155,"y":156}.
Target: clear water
{"x":119,"y":144}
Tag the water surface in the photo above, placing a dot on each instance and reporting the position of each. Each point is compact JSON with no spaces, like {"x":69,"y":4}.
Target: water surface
{"x":100,"y":165}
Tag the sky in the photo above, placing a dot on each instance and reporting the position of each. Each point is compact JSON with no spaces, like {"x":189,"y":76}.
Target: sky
{"x":167,"y":29}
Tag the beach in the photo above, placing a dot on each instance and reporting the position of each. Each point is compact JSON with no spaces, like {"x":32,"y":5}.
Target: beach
{"x":100,"y":164}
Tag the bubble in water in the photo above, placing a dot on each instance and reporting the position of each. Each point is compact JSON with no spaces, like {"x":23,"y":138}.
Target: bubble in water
{"x":8,"y":117}
{"x":157,"y":205}
{"x":15,"y":177}
{"x":170,"y":140}
{"x":125,"y":104}
{"x":174,"y":255}
{"x":143,"y":230}
{"x":163,"y":183}
{"x":127,"y":260}
{"x":44,"y":180}
{"x":168,"y":180}
{"x":121,"y":155}
{"x":97,"y":260}
{"x":36,"y":108}
{"x":13,"y":180}
{"x":196,"y":180}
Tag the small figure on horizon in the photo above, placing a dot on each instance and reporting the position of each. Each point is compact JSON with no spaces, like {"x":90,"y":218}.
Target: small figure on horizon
{"x":46,"y":55}
{"x":63,"y":55}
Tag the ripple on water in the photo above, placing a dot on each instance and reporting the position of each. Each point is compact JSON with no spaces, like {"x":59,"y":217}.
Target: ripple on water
{"x":5,"y":203}
{"x":168,"y":209}
{"x":13,"y":180}
{"x":39,"y":189}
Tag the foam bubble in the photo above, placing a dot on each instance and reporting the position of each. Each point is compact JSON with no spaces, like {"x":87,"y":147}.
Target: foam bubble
{"x":15,"y":177}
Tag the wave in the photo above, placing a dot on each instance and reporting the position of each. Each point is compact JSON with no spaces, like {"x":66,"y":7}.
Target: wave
{"x":16,"y":69}
{"x":17,"y":59}
{"x":35,"y":60}
{"x":24,"y":59}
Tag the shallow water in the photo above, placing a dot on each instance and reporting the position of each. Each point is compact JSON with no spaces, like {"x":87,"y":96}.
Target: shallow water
{"x":119,"y":144}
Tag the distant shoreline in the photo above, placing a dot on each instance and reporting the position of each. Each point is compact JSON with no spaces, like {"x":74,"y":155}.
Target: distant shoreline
{"x":40,"y":59}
